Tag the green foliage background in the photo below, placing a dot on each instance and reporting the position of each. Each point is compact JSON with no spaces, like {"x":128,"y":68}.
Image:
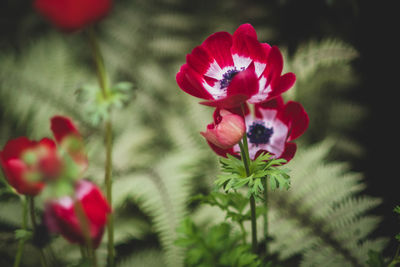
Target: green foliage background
{"x":160,"y":160}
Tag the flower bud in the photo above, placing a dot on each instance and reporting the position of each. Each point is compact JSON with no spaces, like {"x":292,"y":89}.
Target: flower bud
{"x":227,"y":129}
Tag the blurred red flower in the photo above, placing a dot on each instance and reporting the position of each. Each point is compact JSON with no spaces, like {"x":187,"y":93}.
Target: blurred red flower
{"x":62,"y":215}
{"x":72,"y":15}
{"x":26,"y":164}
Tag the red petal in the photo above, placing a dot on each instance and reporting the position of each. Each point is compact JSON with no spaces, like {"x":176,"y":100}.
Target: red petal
{"x":245,"y":83}
{"x":219,"y":46}
{"x":245,"y":44}
{"x":96,"y":209}
{"x":245,"y":29}
{"x":220,"y":151}
{"x":15,"y":170}
{"x":297,"y":119}
{"x":284,"y":83}
{"x":15,"y":147}
{"x":275,"y":63}
{"x":61,"y":218}
{"x":47,"y":142}
{"x":190,"y":82}
{"x":228,"y":102}
{"x":288,"y":153}
{"x":275,"y":103}
{"x":62,"y":127}
{"x":200,"y":60}
{"x":239,"y":110}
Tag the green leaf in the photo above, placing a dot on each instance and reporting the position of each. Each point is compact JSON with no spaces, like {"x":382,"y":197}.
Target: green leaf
{"x":21,"y":234}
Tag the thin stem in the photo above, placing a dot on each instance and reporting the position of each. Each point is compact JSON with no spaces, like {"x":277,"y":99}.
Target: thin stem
{"x":265,"y":184}
{"x":244,"y":158}
{"x":21,"y":242}
{"x":253,"y":224}
{"x":42,"y":257}
{"x":244,"y":151}
{"x":108,"y":182}
{"x":103,"y":82}
{"x":98,"y":59}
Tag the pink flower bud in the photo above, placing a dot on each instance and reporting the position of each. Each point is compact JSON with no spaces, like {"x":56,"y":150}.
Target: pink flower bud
{"x":227,"y":129}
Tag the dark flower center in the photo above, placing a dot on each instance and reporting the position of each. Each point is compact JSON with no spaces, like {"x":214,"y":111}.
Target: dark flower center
{"x":227,"y":78}
{"x":259,"y":134}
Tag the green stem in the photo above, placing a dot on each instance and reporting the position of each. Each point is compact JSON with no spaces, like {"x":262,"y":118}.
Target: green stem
{"x":265,"y":184}
{"x":253,"y":224}
{"x":98,"y":59}
{"x":42,"y":257}
{"x":21,"y":242}
{"x":245,"y":159}
{"x":108,"y":182}
{"x":244,"y":151}
{"x":103,"y":82}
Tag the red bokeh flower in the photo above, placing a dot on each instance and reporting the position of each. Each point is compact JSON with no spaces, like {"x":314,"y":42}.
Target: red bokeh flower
{"x":227,"y":70}
{"x":72,"y":15}
{"x":61,"y":215}
{"x":26,"y":164}
{"x":227,"y":129}
{"x":271,"y":129}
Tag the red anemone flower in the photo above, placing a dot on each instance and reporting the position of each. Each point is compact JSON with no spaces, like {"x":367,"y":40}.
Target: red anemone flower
{"x":271,"y":129}
{"x":61,"y":215}
{"x":72,"y":15}
{"x":228,"y":70}
{"x":26,"y":164}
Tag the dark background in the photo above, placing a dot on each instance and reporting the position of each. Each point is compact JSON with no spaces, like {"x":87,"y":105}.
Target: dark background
{"x":370,"y":26}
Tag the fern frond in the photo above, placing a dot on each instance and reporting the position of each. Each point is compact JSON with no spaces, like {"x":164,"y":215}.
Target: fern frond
{"x":322,"y":213}
{"x":313,"y":55}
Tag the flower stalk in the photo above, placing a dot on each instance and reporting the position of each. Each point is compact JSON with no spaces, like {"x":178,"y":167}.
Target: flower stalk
{"x":244,"y":151}
{"x":21,"y":242}
{"x":265,"y":184}
{"x":103,"y":83}
{"x":108,"y":182}
{"x":42,"y":257}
